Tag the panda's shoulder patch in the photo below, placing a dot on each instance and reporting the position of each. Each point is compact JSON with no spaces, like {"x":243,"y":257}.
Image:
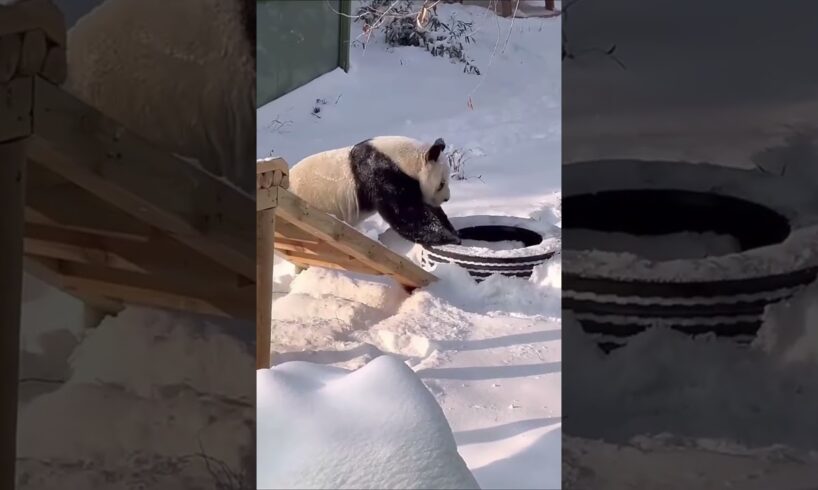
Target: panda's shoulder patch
{"x":377,"y":177}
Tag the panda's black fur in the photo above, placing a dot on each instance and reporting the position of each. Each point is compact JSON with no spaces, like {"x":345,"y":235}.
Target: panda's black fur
{"x":383,"y":187}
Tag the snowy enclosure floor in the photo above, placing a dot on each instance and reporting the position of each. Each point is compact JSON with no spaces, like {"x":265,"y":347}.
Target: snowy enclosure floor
{"x":490,"y":353}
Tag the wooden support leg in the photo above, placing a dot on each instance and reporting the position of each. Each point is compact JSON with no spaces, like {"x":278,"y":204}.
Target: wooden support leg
{"x":506,"y":9}
{"x":12,"y":185}
{"x":265,"y":236}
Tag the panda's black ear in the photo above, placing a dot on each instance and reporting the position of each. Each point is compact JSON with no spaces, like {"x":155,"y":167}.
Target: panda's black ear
{"x":437,"y":148}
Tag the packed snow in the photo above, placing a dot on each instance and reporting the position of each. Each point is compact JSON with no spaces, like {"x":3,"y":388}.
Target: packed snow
{"x":488,"y":352}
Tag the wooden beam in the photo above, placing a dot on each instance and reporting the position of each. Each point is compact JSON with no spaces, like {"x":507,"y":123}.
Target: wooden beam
{"x":264,"y":285}
{"x":46,"y":270}
{"x":12,"y":189}
{"x":350,"y":241}
{"x":52,"y":200}
{"x":101,"y":156}
{"x":305,"y":260}
{"x":158,"y":291}
{"x":160,"y":254}
{"x":293,"y":233}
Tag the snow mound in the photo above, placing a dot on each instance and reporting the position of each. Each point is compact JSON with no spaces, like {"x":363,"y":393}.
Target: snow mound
{"x":303,"y":307}
{"x":790,"y":329}
{"x":662,"y":378}
{"x":376,"y":292}
{"x":120,"y":422}
{"x":116,"y":351}
{"x":377,"y":427}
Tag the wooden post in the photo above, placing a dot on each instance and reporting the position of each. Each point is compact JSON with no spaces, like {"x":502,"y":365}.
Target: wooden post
{"x":506,"y":9}
{"x":12,"y":186}
{"x":265,"y":236}
{"x":271,"y":175}
{"x":549,"y":5}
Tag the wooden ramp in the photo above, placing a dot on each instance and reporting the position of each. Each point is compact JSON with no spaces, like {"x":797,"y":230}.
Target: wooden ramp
{"x":306,"y":236}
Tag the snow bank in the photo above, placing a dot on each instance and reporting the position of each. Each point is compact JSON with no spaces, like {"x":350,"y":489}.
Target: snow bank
{"x":145,"y":400}
{"x":377,"y":427}
{"x":666,"y":382}
{"x":373,"y":291}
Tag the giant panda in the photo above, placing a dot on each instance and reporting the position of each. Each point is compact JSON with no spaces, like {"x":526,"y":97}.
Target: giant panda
{"x":400,"y":178}
{"x":179,"y":73}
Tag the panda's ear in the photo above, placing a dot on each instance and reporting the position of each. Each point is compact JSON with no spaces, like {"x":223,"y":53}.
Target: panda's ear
{"x":434,"y":152}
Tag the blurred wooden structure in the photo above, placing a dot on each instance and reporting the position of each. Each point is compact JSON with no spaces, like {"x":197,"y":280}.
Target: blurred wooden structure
{"x":98,"y":212}
{"x":306,"y":236}
{"x":508,"y":8}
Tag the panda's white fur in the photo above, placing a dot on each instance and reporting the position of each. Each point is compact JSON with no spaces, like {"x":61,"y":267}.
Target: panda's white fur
{"x":179,"y":73}
{"x":402,"y":179}
{"x":325,"y":179}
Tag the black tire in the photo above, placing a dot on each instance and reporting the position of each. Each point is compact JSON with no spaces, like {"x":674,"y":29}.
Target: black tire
{"x":613,"y":308}
{"x":531,"y":233}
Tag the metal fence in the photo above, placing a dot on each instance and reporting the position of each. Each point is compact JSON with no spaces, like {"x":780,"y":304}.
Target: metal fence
{"x":298,"y":41}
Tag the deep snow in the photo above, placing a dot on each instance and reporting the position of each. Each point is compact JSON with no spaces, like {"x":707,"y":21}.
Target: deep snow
{"x":376,"y":427}
{"x":490,"y":353}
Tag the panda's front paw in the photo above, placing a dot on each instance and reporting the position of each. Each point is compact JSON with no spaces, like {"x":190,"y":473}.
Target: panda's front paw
{"x":446,"y":239}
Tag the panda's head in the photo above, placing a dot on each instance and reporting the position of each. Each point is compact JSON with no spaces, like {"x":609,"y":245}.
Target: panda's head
{"x":434,"y":174}
{"x":423,"y":162}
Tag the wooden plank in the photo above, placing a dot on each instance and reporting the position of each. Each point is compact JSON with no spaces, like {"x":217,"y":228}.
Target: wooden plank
{"x":270,"y":164}
{"x":160,"y":255}
{"x":158,"y":291}
{"x":16,"y":102}
{"x":101,"y":156}
{"x":348,"y":240}
{"x":267,"y":198}
{"x":313,"y":260}
{"x":33,"y":15}
{"x":264,"y":285}
{"x":12,"y":188}
{"x":76,"y":253}
{"x":52,"y":200}
{"x":45,"y":270}
{"x":290,"y":232}
{"x":283,"y":244}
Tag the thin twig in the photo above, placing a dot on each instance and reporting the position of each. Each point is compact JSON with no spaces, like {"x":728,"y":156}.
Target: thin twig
{"x":493,"y":53}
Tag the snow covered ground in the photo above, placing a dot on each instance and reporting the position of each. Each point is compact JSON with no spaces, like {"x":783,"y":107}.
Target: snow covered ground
{"x":490,"y":353}
{"x":668,"y":411}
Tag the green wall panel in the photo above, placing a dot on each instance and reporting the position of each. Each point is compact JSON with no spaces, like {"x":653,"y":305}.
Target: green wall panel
{"x":298,"y":41}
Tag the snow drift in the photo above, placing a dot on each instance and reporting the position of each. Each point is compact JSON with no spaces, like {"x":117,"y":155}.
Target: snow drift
{"x":377,"y":427}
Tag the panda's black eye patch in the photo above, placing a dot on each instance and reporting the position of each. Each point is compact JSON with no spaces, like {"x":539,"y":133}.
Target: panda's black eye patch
{"x":440,"y":187}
